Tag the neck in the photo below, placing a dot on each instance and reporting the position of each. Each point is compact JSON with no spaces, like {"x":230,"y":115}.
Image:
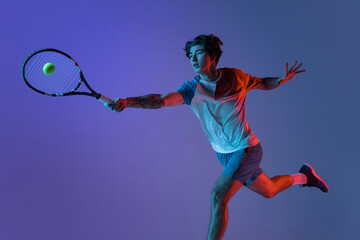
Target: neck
{"x":210,"y":75}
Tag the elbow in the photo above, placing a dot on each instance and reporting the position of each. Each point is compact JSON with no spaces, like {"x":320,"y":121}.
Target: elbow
{"x":261,"y":87}
{"x":269,"y":86}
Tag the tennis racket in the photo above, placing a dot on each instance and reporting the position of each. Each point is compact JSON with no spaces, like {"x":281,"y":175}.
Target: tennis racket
{"x":64,"y":81}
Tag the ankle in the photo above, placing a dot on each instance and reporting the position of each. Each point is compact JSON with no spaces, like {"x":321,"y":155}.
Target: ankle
{"x":299,"y":178}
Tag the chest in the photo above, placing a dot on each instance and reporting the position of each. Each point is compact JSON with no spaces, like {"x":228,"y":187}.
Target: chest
{"x":224,"y":88}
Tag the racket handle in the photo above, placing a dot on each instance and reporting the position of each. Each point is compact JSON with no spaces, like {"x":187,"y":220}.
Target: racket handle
{"x":104,"y":99}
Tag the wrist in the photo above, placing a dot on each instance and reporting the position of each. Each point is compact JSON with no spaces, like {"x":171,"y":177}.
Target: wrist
{"x":281,"y":80}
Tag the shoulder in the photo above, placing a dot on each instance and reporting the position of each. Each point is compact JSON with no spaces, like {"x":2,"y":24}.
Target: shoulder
{"x":227,"y":70}
{"x":188,"y":89}
{"x":195,"y":80}
{"x":234,"y":70}
{"x":232,"y":73}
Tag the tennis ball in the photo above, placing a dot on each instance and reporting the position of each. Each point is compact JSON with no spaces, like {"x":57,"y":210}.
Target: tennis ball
{"x":49,"y":68}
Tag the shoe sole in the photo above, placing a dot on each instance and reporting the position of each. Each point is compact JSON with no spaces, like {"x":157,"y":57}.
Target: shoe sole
{"x":317,"y":176}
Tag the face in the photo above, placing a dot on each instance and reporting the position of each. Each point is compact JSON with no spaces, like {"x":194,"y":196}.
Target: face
{"x":200,"y":60}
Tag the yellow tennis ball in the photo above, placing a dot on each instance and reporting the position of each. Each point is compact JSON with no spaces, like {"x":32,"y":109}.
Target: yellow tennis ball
{"x":49,"y":68}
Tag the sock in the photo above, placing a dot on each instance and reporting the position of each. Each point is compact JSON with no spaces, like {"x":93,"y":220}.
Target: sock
{"x":299,"y":178}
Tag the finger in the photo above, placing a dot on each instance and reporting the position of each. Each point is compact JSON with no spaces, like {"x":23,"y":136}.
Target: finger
{"x":287,"y":67}
{"x":297,"y":67}
{"x":119,"y":103}
{"x":300,"y":71}
{"x":293,"y":67}
{"x":108,"y":104}
{"x":114,"y":101}
{"x":120,"y":107}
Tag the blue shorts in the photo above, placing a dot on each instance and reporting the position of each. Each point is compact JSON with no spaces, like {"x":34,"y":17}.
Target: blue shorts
{"x":242,"y":165}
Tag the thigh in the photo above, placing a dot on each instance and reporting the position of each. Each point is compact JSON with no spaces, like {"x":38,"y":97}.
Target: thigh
{"x":226,"y":187}
{"x":262,"y":184}
{"x":243,"y":165}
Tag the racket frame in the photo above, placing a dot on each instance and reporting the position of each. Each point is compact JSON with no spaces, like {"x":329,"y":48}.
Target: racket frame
{"x":92,"y":92}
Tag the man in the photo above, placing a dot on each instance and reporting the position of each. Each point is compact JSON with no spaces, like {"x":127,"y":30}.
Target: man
{"x":217,"y":97}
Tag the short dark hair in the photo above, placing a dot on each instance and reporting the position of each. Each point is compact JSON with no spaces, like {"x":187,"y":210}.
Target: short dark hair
{"x":211,"y":43}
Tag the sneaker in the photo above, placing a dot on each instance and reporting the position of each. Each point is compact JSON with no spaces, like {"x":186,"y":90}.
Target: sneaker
{"x":313,"y":180}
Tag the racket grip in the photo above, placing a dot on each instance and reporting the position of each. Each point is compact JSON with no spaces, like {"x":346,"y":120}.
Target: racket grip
{"x":104,"y":99}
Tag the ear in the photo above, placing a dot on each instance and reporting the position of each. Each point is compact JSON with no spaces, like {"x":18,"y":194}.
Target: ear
{"x":213,"y":57}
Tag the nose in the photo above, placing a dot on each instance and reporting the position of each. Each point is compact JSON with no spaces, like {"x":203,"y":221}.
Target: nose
{"x":193,"y":58}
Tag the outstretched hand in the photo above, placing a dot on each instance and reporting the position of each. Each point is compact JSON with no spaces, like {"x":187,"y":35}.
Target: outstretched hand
{"x":117,"y":105}
{"x":293,"y":71}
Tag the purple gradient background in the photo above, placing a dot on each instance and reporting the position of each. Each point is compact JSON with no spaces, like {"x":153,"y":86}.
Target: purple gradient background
{"x":72,"y":169}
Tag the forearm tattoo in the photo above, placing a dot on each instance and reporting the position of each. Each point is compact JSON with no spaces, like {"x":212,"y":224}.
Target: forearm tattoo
{"x":270,"y":83}
{"x":151,"y":101}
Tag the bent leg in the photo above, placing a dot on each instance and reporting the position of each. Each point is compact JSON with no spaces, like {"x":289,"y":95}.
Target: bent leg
{"x":224,"y":188}
{"x":267,"y":187}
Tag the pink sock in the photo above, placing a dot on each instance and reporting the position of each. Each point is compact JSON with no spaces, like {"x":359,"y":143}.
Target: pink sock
{"x":299,"y":178}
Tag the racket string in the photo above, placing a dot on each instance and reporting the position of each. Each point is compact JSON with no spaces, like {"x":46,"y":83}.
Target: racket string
{"x":66,"y":77}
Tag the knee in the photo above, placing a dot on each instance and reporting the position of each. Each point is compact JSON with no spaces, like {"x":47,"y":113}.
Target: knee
{"x":269,"y":194}
{"x":217,"y":198}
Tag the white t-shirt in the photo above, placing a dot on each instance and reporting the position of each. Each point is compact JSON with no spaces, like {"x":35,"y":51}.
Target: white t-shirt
{"x":220,"y":107}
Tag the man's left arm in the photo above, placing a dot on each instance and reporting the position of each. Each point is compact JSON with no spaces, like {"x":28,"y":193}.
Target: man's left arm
{"x":270,"y":83}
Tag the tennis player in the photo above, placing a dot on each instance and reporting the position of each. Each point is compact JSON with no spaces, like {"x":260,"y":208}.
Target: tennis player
{"x":217,"y":97}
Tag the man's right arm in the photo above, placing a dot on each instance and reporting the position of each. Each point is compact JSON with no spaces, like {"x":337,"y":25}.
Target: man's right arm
{"x":151,"y":101}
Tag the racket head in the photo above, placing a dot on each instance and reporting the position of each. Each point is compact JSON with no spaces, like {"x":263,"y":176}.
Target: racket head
{"x":66,"y":78}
